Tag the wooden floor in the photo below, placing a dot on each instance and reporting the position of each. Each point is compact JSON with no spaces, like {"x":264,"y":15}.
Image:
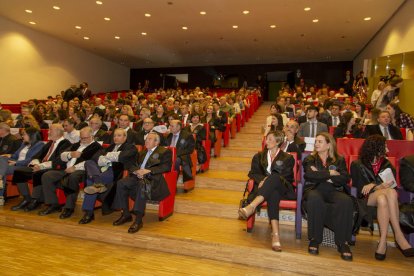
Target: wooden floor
{"x":202,"y":237}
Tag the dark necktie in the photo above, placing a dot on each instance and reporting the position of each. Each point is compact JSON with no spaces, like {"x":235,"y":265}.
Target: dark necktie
{"x":52,"y":146}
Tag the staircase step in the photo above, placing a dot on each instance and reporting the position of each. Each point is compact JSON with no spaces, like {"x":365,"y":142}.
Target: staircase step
{"x":219,"y":184}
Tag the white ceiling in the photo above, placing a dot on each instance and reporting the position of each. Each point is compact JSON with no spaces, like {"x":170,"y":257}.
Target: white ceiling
{"x":210,"y":39}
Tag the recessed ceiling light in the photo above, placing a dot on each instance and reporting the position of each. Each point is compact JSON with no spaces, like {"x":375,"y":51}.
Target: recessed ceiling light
{"x":203,"y":13}
{"x":28,"y":11}
{"x":86,"y":38}
{"x":184,"y":28}
{"x":144,"y":33}
{"x":78,"y":27}
{"x":367,"y":18}
{"x":315,"y":20}
{"x":235,"y":26}
{"x":117,"y":37}
{"x":307,"y":9}
{"x":272,"y":26}
{"x":107,"y":19}
{"x":56,"y":7}
{"x":147,"y":15}
{"x":33,"y":23}
{"x":246,"y":12}
{"x":99,"y":2}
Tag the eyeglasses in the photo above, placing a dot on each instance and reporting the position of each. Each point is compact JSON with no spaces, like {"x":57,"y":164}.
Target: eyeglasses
{"x":84,"y":138}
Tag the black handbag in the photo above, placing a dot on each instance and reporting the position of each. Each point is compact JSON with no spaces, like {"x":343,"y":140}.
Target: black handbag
{"x":146,"y":188}
{"x":201,"y":155}
{"x":407,"y":217}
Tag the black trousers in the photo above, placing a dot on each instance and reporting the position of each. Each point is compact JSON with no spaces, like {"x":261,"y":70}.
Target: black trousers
{"x":326,"y":206}
{"x":130,"y":187}
{"x":273,"y":190}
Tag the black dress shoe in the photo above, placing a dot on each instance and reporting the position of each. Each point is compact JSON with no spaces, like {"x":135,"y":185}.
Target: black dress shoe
{"x":313,"y":247}
{"x":21,"y":205}
{"x":87,"y":218}
{"x":50,"y":210}
{"x":379,"y":256}
{"x":33,"y":205}
{"x":123,"y":219}
{"x":67,"y":213}
{"x":135,"y":227}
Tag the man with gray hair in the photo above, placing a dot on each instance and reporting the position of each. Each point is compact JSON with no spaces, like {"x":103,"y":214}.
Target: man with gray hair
{"x":69,"y":175}
{"x":98,"y":133}
{"x":8,"y":142}
{"x":48,"y":158}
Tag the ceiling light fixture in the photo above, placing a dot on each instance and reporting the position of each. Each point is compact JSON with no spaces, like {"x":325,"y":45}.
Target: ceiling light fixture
{"x":86,"y":38}
{"x":56,"y":7}
{"x":78,"y":27}
{"x":235,"y":26}
{"x":315,"y":20}
{"x":99,"y":2}
{"x":184,"y":28}
{"x":147,"y":15}
{"x":367,"y":18}
{"x":203,"y":13}
{"x":33,"y":23}
{"x":272,"y":26}
{"x":107,"y":19}
{"x":117,"y":37}
{"x":246,"y":12}
{"x":144,"y":33}
{"x":28,"y":11}
{"x":307,"y":9}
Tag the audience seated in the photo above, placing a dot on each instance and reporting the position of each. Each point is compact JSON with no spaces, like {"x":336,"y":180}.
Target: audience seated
{"x":326,"y":200}
{"x":8,"y":142}
{"x":399,"y":118}
{"x":47,"y":159}
{"x":349,"y":127}
{"x":184,"y":142}
{"x":272,"y":171}
{"x":312,"y":127}
{"x":70,"y":174}
{"x":71,"y":133}
{"x":32,"y":143}
{"x":292,"y":143}
{"x":145,"y":182}
{"x":103,"y":170}
{"x":378,"y":192}
{"x":384,"y":127}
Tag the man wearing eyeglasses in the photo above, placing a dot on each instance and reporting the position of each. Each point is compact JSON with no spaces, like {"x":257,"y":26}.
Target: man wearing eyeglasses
{"x":69,"y":175}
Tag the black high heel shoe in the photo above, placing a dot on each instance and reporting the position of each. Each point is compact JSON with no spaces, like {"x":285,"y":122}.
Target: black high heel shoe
{"x":409,"y":252}
{"x":379,"y":256}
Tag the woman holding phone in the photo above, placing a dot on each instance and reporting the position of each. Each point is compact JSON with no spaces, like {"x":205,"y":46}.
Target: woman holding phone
{"x":369,"y":178}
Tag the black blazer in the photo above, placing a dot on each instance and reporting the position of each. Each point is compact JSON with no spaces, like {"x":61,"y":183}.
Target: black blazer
{"x":394,"y":131}
{"x":57,"y":163}
{"x":87,"y":154}
{"x":184,"y":147}
{"x":407,"y":173}
{"x":328,"y":120}
{"x":131,"y":137}
{"x":320,"y":177}
{"x":199,"y":131}
{"x":141,"y":141}
{"x":158,"y":163}
{"x":363,"y":175}
{"x":9,"y":144}
{"x":221,"y":120}
{"x":283,"y":165}
{"x":101,"y":135}
{"x":126,"y":159}
{"x":297,"y":146}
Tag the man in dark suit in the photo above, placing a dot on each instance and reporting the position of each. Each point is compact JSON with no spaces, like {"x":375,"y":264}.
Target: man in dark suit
{"x":9,"y":144}
{"x":384,"y":128}
{"x":125,"y":123}
{"x":147,"y":127}
{"x":335,"y":118}
{"x":184,"y":142}
{"x":69,"y":175}
{"x":143,"y":114}
{"x":293,"y":143}
{"x":98,"y":133}
{"x":70,"y":93}
{"x":105,"y":168}
{"x":312,"y":127}
{"x":152,"y":163}
{"x":83,"y":92}
{"x":221,"y":116}
{"x":47,"y":159}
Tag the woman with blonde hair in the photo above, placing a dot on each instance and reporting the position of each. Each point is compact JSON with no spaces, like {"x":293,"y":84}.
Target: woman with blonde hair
{"x":326,"y":198}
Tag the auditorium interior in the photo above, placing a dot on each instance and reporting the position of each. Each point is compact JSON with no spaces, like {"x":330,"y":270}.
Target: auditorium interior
{"x":251,"y":50}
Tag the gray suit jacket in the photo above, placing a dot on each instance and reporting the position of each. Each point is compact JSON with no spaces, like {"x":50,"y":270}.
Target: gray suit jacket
{"x":304,"y":129}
